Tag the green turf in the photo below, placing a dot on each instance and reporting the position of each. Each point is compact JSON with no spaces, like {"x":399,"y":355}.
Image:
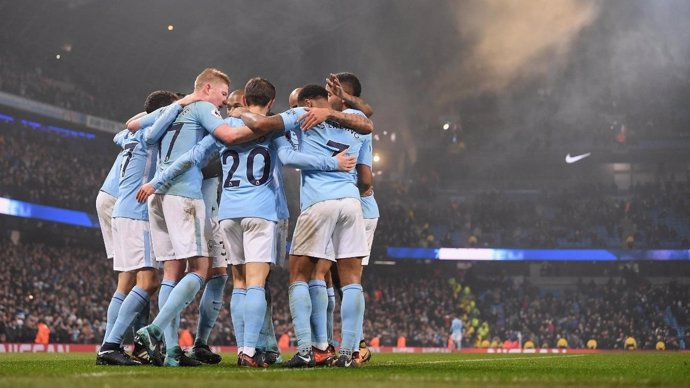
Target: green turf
{"x":385,"y":370}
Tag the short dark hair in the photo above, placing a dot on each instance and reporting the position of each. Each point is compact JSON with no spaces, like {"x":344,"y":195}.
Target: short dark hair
{"x":159,"y":99}
{"x":312,"y":91}
{"x":259,"y":91}
{"x":352,"y":80}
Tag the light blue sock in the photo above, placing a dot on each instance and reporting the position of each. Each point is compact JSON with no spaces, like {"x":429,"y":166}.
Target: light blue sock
{"x":254,"y":313}
{"x":237,"y":314}
{"x":267,"y":338}
{"x":329,"y":315}
{"x":352,"y":316}
{"x":169,"y":332}
{"x":131,"y":308}
{"x":318,"y":318}
{"x":113,"y":309}
{"x":300,"y":309}
{"x":183,"y":293}
{"x":172,"y":331}
{"x":209,"y":307}
{"x":142,"y":319}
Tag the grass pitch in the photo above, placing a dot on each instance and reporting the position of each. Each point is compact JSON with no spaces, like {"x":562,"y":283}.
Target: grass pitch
{"x":663,"y":369}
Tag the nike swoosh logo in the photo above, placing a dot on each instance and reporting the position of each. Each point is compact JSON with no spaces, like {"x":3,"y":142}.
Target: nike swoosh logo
{"x":572,"y":159}
{"x":305,"y":359}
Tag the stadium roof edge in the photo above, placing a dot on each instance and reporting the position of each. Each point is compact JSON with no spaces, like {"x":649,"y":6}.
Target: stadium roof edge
{"x":43,"y":109}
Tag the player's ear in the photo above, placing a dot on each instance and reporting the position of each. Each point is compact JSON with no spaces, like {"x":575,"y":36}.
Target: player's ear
{"x":244,"y":100}
{"x":270,"y":103}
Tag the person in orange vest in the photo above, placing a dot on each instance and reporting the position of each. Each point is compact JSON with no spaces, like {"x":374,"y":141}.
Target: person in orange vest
{"x":402,"y":342}
{"x":185,"y":338}
{"x":375,"y":342}
{"x":284,"y":341}
{"x":43,"y":333}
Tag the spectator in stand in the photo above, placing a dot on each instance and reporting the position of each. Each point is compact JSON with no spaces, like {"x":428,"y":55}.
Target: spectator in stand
{"x":43,"y":333}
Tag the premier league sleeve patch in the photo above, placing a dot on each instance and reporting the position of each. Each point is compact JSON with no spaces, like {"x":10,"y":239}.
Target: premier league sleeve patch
{"x":216,"y":113}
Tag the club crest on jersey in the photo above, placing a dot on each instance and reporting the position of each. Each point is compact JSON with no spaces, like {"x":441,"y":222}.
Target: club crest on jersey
{"x":216,"y":113}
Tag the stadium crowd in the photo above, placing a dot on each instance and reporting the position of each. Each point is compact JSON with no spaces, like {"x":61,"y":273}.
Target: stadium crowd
{"x":46,"y":283}
{"x":609,"y":313}
{"x":649,"y":216}
{"x":53,"y":84}
{"x":41,"y":166}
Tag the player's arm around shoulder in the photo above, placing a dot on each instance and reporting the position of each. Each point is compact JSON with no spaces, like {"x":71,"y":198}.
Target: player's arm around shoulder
{"x":355,"y":121}
{"x":234,"y":131}
{"x":292,"y":158}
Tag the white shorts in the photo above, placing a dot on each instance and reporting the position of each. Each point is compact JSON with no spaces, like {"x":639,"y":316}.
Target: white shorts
{"x":132,"y":243}
{"x":336,"y":221}
{"x":104,"y":208}
{"x":180,"y":228}
{"x":456,"y":337}
{"x":249,"y":240}
{"x":219,"y":255}
{"x":369,"y":228}
{"x":281,"y":242}
{"x":209,"y":190}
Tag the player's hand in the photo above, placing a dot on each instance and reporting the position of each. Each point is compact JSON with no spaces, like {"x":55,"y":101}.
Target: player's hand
{"x":145,"y":192}
{"x":313,"y":117}
{"x":334,"y":87}
{"x":345,"y":162}
{"x":237,"y":111}
{"x":188,"y":99}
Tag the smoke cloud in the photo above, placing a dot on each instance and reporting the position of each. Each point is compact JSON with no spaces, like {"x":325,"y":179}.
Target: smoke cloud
{"x":511,"y":39}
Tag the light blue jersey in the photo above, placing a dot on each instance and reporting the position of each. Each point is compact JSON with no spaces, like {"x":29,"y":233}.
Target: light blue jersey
{"x":456,"y":326}
{"x":279,"y":190}
{"x":150,"y":118}
{"x":199,"y":155}
{"x":279,"y":187}
{"x":370,"y":209}
{"x":325,"y":139}
{"x":138,"y":167}
{"x":248,"y":178}
{"x":187,"y":129}
{"x":240,"y":198}
{"x":110,"y":185}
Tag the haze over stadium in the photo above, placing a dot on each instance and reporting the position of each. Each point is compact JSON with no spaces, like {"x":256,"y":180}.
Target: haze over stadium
{"x":530,"y":165}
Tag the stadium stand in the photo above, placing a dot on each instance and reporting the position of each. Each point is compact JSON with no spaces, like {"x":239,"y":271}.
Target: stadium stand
{"x":44,"y":162}
{"x":53,"y":84}
{"x":45,"y":282}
